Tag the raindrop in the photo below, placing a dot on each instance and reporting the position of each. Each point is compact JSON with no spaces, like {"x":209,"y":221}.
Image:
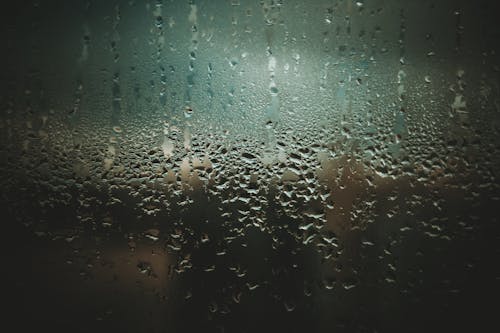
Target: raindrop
{"x":329,"y":283}
{"x":289,"y":306}
{"x":188,"y":111}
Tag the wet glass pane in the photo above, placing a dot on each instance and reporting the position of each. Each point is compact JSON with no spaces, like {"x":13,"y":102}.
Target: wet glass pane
{"x":250,"y":166}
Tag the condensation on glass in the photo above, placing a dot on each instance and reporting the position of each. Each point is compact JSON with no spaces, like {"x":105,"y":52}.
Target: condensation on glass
{"x":244,"y":166}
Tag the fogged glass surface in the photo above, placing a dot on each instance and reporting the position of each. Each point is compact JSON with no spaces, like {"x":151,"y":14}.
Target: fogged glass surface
{"x":246,"y":166}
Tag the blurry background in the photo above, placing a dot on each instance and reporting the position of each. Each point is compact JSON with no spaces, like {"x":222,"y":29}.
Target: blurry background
{"x":244,"y":166}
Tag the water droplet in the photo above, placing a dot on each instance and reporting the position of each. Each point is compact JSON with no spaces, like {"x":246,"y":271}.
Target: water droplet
{"x":329,"y":283}
{"x":289,"y":306}
{"x":188,"y":112}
